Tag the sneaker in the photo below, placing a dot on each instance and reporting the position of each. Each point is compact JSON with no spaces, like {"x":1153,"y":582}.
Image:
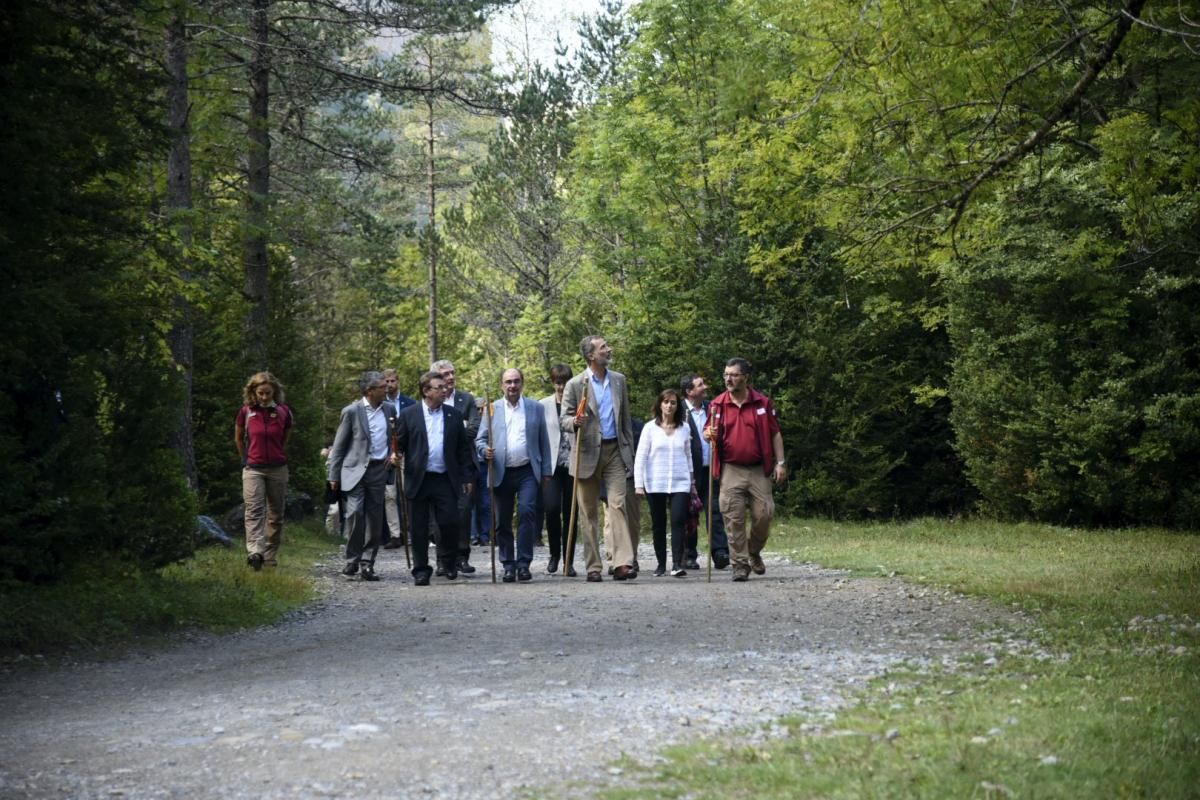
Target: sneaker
{"x":368,"y":573}
{"x":255,"y":560}
{"x":756,"y":564}
{"x":741,"y":573}
{"x":351,"y":569}
{"x":678,"y":573}
{"x":660,"y":570}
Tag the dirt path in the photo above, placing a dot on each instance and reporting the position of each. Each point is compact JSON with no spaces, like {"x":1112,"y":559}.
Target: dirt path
{"x":466,"y":689}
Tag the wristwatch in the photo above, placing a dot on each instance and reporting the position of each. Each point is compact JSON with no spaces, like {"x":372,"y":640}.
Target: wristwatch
{"x":781,"y":462}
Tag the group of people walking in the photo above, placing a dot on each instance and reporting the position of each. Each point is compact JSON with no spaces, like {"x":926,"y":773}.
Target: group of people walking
{"x":574,"y":450}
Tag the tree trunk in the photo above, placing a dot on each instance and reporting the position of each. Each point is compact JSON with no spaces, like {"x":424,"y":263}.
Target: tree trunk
{"x":179,"y":204}
{"x":258,"y":184}
{"x":432,"y":250}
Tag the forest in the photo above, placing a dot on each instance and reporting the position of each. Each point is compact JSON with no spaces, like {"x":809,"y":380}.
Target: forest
{"x":959,"y":242}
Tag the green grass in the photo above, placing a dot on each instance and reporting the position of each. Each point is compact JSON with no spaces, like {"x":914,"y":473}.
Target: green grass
{"x":1103,"y":702}
{"x":104,"y":604}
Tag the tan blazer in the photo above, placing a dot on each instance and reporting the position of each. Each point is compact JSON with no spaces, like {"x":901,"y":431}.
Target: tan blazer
{"x":589,"y":450}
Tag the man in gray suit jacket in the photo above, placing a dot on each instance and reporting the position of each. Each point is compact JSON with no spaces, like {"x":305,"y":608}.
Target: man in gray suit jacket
{"x":519,"y":461}
{"x":358,"y":468}
{"x":605,"y":455}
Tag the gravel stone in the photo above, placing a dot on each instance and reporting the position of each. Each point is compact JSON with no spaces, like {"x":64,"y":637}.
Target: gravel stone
{"x":472,"y":690}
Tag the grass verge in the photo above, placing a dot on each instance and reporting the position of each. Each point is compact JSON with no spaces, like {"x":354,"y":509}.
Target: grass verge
{"x":1103,"y":702}
{"x":109,"y":603}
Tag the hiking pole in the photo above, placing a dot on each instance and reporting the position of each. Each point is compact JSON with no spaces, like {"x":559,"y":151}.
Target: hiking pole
{"x":569,"y":556}
{"x":708,"y":519}
{"x":401,"y":499}
{"x":491,"y":412}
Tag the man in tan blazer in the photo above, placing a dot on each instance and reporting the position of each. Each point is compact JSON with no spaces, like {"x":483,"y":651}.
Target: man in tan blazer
{"x":605,"y":456}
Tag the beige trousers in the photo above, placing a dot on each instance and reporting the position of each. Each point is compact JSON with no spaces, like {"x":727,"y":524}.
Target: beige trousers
{"x":746,"y":489}
{"x":264,"y":490}
{"x":610,"y":470}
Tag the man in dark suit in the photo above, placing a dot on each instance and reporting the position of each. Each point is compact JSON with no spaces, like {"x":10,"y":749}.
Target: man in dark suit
{"x":695,"y":394}
{"x":464,"y":403}
{"x":432,"y":438}
{"x":394,"y":534}
{"x":520,"y":461}
{"x":358,"y":467}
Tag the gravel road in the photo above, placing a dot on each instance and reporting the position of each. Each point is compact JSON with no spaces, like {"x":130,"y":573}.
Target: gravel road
{"x":468,"y":689}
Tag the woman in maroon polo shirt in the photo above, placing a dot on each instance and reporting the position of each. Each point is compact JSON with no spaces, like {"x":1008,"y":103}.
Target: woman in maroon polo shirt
{"x":261,"y":432}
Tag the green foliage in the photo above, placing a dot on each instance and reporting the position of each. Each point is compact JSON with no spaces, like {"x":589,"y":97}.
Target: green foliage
{"x":84,"y":371}
{"x":110,"y":601}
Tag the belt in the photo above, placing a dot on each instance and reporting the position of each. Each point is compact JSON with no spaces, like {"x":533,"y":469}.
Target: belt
{"x":375,"y":461}
{"x":608,"y":441}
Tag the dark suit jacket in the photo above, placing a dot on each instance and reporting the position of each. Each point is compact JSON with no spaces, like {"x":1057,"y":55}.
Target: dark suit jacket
{"x":412,"y":442}
{"x":464,"y":403}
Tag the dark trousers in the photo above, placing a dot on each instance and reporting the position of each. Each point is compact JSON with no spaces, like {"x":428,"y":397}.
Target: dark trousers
{"x":363,"y":510}
{"x":435,"y":500}
{"x":720,"y":543}
{"x":678,"y":506}
{"x":556,"y":504}
{"x":520,"y":488}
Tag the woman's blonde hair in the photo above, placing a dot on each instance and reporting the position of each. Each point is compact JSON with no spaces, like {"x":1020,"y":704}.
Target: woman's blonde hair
{"x":258,"y":379}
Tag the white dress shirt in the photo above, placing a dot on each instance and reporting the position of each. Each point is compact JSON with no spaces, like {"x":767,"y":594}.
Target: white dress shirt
{"x":516,"y":453}
{"x":377,"y":426}
{"x":435,"y":432}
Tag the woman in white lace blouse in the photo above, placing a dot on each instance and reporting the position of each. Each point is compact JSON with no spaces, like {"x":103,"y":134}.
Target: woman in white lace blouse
{"x":662,"y":472}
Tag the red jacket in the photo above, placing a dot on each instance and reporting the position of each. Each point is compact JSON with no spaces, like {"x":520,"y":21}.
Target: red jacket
{"x":765,"y":428}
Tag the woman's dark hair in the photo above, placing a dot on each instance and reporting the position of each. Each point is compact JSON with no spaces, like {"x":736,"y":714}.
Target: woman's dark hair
{"x":656,"y":410}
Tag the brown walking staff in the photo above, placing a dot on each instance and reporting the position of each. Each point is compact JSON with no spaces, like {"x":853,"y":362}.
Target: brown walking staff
{"x":401,"y":499}
{"x":491,"y":412}
{"x":404,"y":520}
{"x":569,"y":555}
{"x":708,"y":520}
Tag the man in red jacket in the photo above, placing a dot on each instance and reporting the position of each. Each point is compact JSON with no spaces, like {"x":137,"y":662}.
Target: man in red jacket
{"x":748,"y":455}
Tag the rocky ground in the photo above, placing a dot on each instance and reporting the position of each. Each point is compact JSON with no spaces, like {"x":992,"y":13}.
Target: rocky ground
{"x":468,"y":689}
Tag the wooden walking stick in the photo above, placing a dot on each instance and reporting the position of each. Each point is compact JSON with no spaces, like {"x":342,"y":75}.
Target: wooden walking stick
{"x":491,"y":412}
{"x":569,"y":555}
{"x":401,"y":499}
{"x":708,"y":519}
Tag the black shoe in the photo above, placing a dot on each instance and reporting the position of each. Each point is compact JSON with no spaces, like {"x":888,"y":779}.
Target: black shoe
{"x":523,"y":574}
{"x":350,"y":569}
{"x":720,"y":560}
{"x":451,"y":574}
{"x":393,"y":544}
{"x":421,"y":579}
{"x":368,"y":573}
{"x":441,"y":571}
{"x":691,"y":563}
{"x":510,"y":575}
{"x":571,"y":573}
{"x":660,"y":570}
{"x":465,"y":567}
{"x":255,"y":560}
{"x":552,"y":567}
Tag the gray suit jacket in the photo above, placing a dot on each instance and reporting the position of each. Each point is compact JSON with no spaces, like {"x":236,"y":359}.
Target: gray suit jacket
{"x":351,"y":451}
{"x":537,"y":441}
{"x":589,"y":448}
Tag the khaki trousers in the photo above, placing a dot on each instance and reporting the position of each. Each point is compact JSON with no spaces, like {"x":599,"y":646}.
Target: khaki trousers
{"x":264,"y":490}
{"x":610,"y":470}
{"x":746,"y":489}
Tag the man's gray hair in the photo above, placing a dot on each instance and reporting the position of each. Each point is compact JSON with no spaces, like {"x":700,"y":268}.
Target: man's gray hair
{"x":441,"y":365}
{"x":587,"y":345}
{"x":369,"y":377}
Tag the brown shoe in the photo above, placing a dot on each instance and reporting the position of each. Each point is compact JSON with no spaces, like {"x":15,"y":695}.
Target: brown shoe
{"x":624,"y":573}
{"x":593,"y":577}
{"x":741,"y":573}
{"x":756,"y":564}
